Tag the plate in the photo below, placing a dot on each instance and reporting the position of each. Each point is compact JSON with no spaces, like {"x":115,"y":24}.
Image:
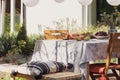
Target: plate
{"x":101,"y":37}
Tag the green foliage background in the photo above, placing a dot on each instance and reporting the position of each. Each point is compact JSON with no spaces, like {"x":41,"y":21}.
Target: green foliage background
{"x":7,"y":23}
{"x":103,"y":6}
{"x":18,"y":42}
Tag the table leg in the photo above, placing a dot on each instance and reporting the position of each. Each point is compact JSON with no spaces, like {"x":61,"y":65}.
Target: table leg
{"x":87,"y":66}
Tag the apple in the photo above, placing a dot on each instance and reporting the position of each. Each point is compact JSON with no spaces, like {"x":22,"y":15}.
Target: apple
{"x":81,"y":37}
{"x":75,"y":34}
{"x":69,"y":36}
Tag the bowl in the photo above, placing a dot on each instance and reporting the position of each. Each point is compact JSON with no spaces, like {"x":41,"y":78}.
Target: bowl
{"x":101,"y":37}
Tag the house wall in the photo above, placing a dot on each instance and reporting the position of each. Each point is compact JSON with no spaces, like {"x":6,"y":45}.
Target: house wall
{"x":46,"y":11}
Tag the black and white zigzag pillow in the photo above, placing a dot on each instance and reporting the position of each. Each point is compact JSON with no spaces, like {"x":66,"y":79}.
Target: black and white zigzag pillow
{"x":39,"y":68}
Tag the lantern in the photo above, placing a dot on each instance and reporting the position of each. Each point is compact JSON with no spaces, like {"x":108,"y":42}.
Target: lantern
{"x":85,"y":2}
{"x":30,"y":3}
{"x":114,"y":2}
{"x":59,"y":1}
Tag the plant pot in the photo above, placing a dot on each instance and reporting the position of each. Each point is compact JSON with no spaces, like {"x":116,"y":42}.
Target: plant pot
{"x":112,"y":29}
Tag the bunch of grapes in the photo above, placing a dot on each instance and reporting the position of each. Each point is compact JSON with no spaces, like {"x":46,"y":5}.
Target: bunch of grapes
{"x":101,"y":33}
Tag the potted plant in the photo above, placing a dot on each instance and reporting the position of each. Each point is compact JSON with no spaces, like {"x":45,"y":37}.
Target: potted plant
{"x":112,"y":20}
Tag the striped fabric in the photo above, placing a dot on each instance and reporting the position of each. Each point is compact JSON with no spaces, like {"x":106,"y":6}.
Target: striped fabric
{"x":39,"y":68}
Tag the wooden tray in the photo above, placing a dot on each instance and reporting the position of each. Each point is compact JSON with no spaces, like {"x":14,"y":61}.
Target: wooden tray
{"x":55,"y":34}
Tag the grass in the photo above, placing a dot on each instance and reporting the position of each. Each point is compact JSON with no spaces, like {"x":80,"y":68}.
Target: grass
{"x":113,"y":60}
{"x":6,"y":76}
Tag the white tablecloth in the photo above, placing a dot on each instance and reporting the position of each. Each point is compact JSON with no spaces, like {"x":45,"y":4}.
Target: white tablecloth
{"x":71,"y":51}
{"x":61,"y":51}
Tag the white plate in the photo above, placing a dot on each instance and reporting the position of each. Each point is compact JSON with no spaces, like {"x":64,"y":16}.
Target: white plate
{"x":101,"y":37}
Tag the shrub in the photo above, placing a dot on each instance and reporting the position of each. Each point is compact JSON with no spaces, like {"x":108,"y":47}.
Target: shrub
{"x":27,"y":49}
{"x":7,"y":23}
{"x":22,"y":34}
{"x":16,"y":53}
{"x":6,"y":41}
{"x":17,"y":46}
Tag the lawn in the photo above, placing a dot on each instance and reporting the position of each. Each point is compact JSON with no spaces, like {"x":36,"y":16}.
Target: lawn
{"x":6,"y":76}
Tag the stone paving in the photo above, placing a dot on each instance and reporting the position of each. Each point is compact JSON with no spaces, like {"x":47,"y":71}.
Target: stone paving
{"x":7,"y":68}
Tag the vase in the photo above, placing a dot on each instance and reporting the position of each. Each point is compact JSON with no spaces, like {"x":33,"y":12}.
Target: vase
{"x":112,"y":29}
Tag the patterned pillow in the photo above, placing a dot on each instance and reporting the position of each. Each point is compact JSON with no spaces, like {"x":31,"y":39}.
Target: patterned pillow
{"x":39,"y":68}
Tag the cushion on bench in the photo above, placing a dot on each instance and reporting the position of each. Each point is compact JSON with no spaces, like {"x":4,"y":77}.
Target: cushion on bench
{"x":38,"y":68}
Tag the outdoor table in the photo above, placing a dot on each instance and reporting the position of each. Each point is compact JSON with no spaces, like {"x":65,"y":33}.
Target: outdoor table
{"x":71,"y":51}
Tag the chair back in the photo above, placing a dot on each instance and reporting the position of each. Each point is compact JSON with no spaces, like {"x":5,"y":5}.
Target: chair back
{"x":114,"y":43}
{"x":113,"y":47}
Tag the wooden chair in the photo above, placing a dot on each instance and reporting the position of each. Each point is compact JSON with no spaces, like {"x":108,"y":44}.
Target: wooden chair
{"x":100,"y":70}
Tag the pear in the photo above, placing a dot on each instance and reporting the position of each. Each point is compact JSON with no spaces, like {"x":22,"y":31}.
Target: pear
{"x":87,"y":38}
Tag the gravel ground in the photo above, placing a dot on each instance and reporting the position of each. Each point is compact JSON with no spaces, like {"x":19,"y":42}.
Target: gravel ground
{"x":3,"y":75}
{"x":7,"y":68}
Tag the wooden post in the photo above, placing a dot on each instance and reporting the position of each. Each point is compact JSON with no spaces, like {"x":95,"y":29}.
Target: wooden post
{"x":2,"y":16}
{"x":21,"y":14}
{"x":24,"y":14}
{"x":84,"y":16}
{"x":0,"y":9}
{"x":12,"y":17}
{"x":92,"y":13}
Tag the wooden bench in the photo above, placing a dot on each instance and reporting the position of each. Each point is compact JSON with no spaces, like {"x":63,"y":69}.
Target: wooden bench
{"x":53,"y":76}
